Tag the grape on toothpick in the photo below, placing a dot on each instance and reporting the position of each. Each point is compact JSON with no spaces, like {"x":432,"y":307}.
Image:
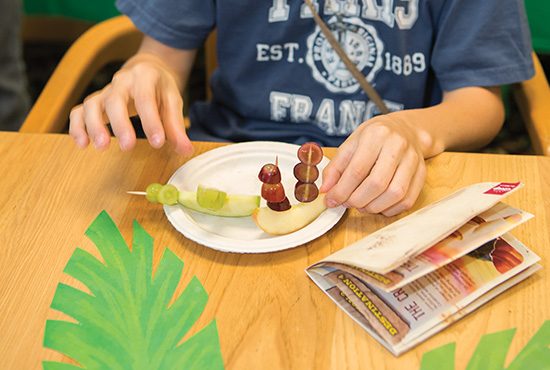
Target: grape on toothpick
{"x":273,"y":193}
{"x":152,"y":191}
{"x":272,"y":189}
{"x":305,"y":192}
{"x":168,"y":195}
{"x":306,"y":173}
{"x":210,"y":198}
{"x":279,"y":206}
{"x":270,"y":174}
{"x":310,"y":153}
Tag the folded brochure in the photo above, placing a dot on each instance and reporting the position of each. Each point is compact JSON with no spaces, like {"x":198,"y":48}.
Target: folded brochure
{"x":407,"y":281}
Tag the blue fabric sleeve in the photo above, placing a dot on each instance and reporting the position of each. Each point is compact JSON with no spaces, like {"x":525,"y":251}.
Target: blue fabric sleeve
{"x":178,"y":24}
{"x":474,"y":47}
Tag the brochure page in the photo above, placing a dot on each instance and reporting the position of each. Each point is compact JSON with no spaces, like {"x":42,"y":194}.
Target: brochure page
{"x":479,"y":230}
{"x":398,"y":318}
{"x":393,"y":245}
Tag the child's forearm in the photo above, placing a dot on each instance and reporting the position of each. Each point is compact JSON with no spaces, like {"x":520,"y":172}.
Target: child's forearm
{"x":466,"y":119}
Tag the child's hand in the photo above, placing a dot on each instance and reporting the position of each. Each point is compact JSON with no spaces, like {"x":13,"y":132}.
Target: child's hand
{"x":378,"y":169}
{"x":145,"y":86}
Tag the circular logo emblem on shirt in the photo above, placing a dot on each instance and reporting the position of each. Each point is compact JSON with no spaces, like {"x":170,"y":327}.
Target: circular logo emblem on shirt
{"x":360,"y":42}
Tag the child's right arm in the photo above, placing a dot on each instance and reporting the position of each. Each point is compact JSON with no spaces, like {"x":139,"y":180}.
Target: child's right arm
{"x":149,"y":84}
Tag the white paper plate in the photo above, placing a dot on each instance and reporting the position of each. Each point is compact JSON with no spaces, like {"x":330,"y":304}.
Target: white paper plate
{"x":234,"y":169}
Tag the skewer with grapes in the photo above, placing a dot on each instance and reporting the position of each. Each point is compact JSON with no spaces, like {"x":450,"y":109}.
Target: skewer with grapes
{"x":279,"y":217}
{"x":306,"y":172}
{"x":272,"y":189}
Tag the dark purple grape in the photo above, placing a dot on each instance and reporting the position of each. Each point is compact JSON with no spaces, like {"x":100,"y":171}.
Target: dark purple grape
{"x":273,"y":193}
{"x":306,"y":173}
{"x":310,"y":153}
{"x":279,"y":206}
{"x":270,"y":174}
{"x":305,"y":192}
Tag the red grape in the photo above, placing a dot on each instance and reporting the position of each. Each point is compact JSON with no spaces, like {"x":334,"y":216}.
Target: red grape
{"x":305,"y":173}
{"x":305,"y":192}
{"x":310,"y":153}
{"x":273,"y":193}
{"x":280,"y":206}
{"x":270,"y":174}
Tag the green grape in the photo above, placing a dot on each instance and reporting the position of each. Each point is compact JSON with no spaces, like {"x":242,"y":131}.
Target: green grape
{"x":152,"y":192}
{"x":168,"y":195}
{"x":210,"y":198}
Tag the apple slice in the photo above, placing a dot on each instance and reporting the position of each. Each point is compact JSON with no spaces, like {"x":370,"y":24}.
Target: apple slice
{"x":234,"y":205}
{"x":286,"y":222}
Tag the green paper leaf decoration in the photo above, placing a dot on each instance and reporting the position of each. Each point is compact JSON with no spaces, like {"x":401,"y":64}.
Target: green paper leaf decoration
{"x":491,"y":351}
{"x":126,"y":322}
{"x":442,"y":358}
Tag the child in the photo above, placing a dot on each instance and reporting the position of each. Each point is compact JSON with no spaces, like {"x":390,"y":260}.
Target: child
{"x":436,"y":64}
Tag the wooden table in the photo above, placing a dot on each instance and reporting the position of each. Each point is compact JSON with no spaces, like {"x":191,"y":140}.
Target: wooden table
{"x":269,"y":314}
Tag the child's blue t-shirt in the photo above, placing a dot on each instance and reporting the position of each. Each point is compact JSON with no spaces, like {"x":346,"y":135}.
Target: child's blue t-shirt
{"x":279,"y":79}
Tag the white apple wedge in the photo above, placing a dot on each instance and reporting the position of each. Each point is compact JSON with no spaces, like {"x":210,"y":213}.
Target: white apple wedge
{"x":286,"y":222}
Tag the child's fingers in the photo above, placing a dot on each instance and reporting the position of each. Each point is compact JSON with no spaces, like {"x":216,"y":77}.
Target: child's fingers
{"x":116,"y":108}
{"x":334,"y":170}
{"x":172,"y":117}
{"x":356,"y":169}
{"x":95,"y":121}
{"x":377,"y":181}
{"x":77,"y":127}
{"x":145,"y":101}
{"x":415,"y":187}
{"x":398,"y":187}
